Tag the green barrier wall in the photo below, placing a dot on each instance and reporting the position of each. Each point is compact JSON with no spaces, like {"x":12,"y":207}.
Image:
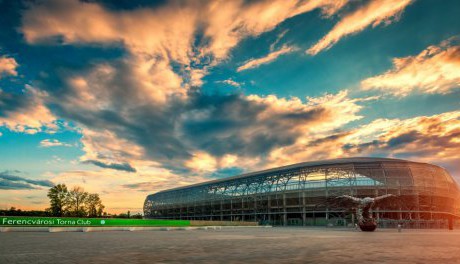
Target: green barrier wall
{"x":64,"y":221}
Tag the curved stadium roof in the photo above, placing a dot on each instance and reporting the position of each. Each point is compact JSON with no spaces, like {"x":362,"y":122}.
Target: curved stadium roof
{"x":318,"y":163}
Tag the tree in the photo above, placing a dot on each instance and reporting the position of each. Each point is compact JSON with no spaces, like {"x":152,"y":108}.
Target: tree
{"x":76,"y":200}
{"x":58,"y":199}
{"x":94,"y":205}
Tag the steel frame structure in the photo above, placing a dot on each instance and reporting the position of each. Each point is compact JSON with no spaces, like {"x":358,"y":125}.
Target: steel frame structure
{"x":298,"y":194}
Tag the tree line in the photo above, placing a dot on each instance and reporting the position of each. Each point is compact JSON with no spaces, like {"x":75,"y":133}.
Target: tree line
{"x":74,"y":202}
{"x":13,"y":211}
{"x":71,"y":203}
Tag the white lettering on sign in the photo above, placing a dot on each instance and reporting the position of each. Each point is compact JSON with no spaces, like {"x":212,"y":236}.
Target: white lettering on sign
{"x":46,"y":221}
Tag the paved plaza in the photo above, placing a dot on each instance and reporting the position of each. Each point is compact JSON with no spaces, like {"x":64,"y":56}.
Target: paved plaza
{"x":238,"y":245}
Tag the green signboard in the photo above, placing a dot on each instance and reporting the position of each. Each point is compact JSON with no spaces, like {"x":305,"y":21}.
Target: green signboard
{"x":64,"y":221}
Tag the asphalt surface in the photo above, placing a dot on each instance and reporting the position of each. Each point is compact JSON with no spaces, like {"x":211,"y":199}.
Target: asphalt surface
{"x":239,"y":245}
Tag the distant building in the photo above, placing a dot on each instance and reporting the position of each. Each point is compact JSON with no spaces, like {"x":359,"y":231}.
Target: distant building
{"x":299,"y":194}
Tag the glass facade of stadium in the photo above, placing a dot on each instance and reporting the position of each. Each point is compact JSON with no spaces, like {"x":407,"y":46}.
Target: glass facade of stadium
{"x":299,"y":194}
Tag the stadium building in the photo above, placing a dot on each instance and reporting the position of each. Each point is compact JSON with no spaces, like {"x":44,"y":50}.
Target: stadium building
{"x":300,"y":194}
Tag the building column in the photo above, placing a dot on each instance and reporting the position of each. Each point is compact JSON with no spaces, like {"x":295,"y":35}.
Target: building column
{"x":221,"y":210}
{"x":231,"y":209}
{"x":269,"y":209}
{"x":255,"y":207}
{"x":242,"y":209}
{"x":284,"y":210}
{"x":304,"y":216}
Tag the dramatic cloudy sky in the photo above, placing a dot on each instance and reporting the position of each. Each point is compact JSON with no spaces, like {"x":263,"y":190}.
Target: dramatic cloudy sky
{"x":126,"y":98}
